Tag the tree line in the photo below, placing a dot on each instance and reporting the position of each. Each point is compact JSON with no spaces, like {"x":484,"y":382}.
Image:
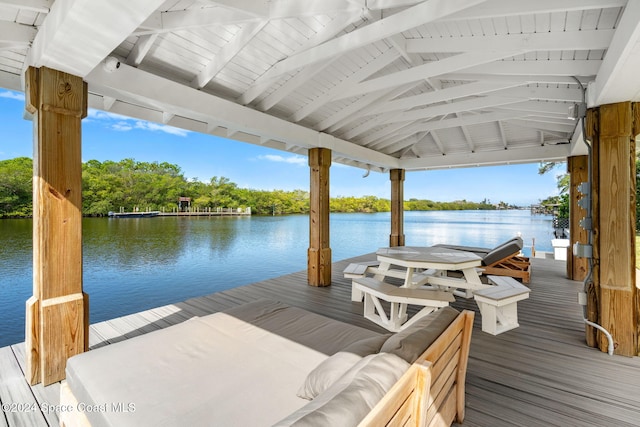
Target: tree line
{"x":128,"y":184}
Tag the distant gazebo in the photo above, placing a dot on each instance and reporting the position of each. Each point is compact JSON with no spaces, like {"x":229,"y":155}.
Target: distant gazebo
{"x":184,"y":204}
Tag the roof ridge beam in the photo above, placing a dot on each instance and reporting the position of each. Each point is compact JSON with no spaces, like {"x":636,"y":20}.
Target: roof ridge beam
{"x":454,"y":108}
{"x":547,"y":41}
{"x":407,"y":19}
{"x":446,"y":94}
{"x":424,"y":71}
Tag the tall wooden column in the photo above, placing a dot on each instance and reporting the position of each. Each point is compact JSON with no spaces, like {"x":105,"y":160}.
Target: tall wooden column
{"x":612,"y":129}
{"x":57,"y":318}
{"x":319,"y":253}
{"x":578,"y":172}
{"x":397,"y":207}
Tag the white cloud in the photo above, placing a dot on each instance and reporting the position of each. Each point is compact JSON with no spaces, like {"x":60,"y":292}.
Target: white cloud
{"x":104,"y":115}
{"x":154,"y":127}
{"x":121,"y":126}
{"x":294,"y":160}
{"x":12,"y":95}
{"x":122,"y":123}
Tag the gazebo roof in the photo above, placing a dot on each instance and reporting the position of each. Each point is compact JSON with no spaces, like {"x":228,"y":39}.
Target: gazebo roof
{"x":383,"y":83}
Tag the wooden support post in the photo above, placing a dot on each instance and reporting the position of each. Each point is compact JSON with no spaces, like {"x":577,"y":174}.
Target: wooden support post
{"x":57,"y":313}
{"x":578,"y":172}
{"x":612,"y":129}
{"x":319,"y":253}
{"x":397,"y":207}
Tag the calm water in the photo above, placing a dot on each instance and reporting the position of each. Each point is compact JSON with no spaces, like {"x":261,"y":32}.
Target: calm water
{"x":132,"y":265}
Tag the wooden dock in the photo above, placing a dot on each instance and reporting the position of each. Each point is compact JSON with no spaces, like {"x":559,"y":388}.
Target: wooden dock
{"x":540,"y":374}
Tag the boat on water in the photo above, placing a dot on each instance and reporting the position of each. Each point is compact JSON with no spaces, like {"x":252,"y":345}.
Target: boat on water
{"x":133,"y":214}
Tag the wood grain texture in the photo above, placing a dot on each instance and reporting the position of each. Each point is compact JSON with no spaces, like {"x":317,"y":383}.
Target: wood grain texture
{"x":319,"y":253}
{"x":396,"y":238}
{"x":58,"y":102}
{"x":615,"y":187}
{"x":61,"y":336}
{"x":578,"y":172}
{"x":593,"y":290}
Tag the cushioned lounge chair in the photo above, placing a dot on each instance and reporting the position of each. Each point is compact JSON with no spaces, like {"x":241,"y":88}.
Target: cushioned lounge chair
{"x":503,"y":260}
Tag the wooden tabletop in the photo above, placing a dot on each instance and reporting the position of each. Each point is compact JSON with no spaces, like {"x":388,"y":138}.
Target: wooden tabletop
{"x":415,"y":255}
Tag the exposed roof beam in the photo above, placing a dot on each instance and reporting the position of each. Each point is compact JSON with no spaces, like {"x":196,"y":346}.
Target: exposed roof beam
{"x":140,"y":49}
{"x":402,"y":21}
{"x":373,"y":139}
{"x":169,"y":21}
{"x":501,"y":8}
{"x":280,"y":9}
{"x":292,"y":84}
{"x":549,"y":41}
{"x":446,"y":94}
{"x":503,"y":136}
{"x":141,"y":88}
{"x":556,"y":120}
{"x":467,"y":137}
{"x":556,"y":108}
{"x":543,"y":68}
{"x":108,"y":102}
{"x":539,"y":78}
{"x":329,"y":31}
{"x":10,"y":81}
{"x":40,"y":6}
{"x":568,"y":128}
{"x":377,"y":64}
{"x":455,"y":107}
{"x":531,"y":154}
{"x":63,"y":43}
{"x":430,"y":69}
{"x":617,"y":79}
{"x":15,"y":34}
{"x":437,"y":141}
{"x":470,"y":120}
{"x":389,"y":4}
{"x":354,"y":107}
{"x":369,"y":124}
{"x":364,"y":111}
{"x":543,"y":93}
{"x":227,"y":53}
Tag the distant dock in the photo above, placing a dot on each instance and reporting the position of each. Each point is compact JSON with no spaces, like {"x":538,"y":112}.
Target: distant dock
{"x":211,"y":212}
{"x":197,"y":212}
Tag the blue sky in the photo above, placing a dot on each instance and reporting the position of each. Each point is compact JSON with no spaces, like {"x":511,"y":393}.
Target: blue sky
{"x":110,"y":137}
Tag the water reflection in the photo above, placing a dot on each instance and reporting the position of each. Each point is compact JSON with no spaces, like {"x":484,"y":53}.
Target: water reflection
{"x":131,"y":265}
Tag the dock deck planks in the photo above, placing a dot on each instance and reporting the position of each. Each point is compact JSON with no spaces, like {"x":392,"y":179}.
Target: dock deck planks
{"x":541,"y":373}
